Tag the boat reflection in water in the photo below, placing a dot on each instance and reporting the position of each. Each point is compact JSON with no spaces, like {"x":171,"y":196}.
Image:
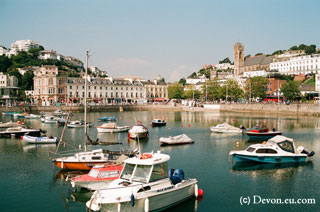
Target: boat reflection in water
{"x":66,"y":175}
{"x":80,"y":195}
{"x":278,"y":170}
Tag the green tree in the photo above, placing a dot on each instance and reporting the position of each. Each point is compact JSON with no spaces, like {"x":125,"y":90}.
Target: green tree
{"x":247,"y":56}
{"x":194,"y":74}
{"x":255,"y":87}
{"x":294,"y":48}
{"x":230,"y":91}
{"x":259,"y":54}
{"x":5,"y":63}
{"x":191,"y":93}
{"x":182,"y":81}
{"x":291,"y":90}
{"x":225,"y":60}
{"x":175,"y":91}
{"x":26,"y":82}
{"x":310,"y":49}
{"x":14,"y":72}
{"x":211,"y":88}
{"x":278,"y":52}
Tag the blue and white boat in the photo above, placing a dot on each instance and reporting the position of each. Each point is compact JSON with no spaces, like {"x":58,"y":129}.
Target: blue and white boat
{"x":278,"y":149}
{"x":108,"y":118}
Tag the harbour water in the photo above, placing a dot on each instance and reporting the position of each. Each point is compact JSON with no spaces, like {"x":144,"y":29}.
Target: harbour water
{"x":30,"y":182}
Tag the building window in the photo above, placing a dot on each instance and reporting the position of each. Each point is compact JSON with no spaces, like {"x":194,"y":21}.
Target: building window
{"x":106,"y":94}
{"x":89,"y":94}
{"x":83,"y":95}
{"x":70,"y":94}
{"x":70,"y":87}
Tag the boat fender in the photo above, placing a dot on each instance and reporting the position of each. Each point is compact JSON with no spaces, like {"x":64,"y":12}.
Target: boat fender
{"x":196,"y":190}
{"x":145,"y":156}
{"x":128,"y":134}
{"x":132,"y":200}
{"x":146,"y":205}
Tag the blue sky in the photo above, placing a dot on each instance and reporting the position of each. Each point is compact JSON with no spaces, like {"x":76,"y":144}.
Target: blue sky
{"x":173,"y":38}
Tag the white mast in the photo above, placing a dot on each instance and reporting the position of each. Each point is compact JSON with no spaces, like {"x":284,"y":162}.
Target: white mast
{"x":85,"y":103}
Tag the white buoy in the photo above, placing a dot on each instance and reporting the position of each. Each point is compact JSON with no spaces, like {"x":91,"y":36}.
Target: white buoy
{"x":196,"y":190}
{"x":119,"y":207}
{"x":61,"y":164}
{"x":146,"y":205}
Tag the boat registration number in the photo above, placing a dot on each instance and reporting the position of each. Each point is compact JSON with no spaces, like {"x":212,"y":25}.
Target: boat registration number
{"x":164,"y":189}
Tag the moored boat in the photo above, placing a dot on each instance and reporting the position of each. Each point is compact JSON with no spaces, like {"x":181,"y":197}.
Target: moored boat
{"x":60,"y":113}
{"x":11,"y":124}
{"x":111,"y":128}
{"x":176,"y":140}
{"x":108,"y":118}
{"x":262,"y":132}
{"x":138,"y":131}
{"x":32,"y":116}
{"x":99,"y":177}
{"x":20,"y":131}
{"x":225,"y":128}
{"x":40,"y":140}
{"x":50,"y":120}
{"x":145,"y":184}
{"x":158,"y":123}
{"x":278,"y":149}
{"x":78,"y":124}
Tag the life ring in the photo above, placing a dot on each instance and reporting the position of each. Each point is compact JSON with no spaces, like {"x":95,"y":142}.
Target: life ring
{"x":145,"y":156}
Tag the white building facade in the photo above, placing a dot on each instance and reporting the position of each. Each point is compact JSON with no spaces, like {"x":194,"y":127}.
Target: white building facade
{"x":305,"y":64}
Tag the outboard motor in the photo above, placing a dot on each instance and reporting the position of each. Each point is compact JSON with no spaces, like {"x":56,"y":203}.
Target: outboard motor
{"x":303,"y":151}
{"x":176,"y":175}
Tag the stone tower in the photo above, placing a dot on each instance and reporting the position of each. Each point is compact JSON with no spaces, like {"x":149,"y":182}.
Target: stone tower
{"x":238,"y":52}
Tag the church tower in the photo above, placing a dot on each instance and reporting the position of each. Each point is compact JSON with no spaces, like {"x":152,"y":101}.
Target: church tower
{"x":238,"y":52}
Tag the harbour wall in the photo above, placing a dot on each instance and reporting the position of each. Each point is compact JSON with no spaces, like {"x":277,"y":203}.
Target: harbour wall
{"x":301,"y":109}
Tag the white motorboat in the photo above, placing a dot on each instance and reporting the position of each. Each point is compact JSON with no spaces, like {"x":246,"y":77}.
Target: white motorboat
{"x":138,"y":131}
{"x":176,"y":140}
{"x":40,"y":140}
{"x":19,"y":131}
{"x":111,"y":128}
{"x":60,"y":113}
{"x":145,"y":184}
{"x":158,"y":123}
{"x":225,"y":128}
{"x":78,"y":124}
{"x":50,"y":120}
{"x":11,"y":124}
{"x":32,"y":116}
{"x":278,"y":149}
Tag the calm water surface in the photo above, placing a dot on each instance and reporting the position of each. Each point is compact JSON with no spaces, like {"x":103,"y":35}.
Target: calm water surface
{"x":30,"y":182}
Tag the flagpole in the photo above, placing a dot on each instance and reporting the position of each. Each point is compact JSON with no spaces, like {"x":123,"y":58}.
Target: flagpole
{"x":85,"y":103}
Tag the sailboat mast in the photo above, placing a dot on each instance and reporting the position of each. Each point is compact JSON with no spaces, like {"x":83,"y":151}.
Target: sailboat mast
{"x":85,"y":103}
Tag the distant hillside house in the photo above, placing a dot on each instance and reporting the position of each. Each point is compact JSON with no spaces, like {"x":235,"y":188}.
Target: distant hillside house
{"x":74,"y":61}
{"x":195,"y":80}
{"x":24,"y":70}
{"x":3,"y":50}
{"x":50,"y":54}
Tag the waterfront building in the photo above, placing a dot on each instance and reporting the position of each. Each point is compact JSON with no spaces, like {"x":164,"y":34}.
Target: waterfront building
{"x":304,"y":64}
{"x":156,"y":89}
{"x":258,"y":73}
{"x":8,"y":88}
{"x":105,"y":90}
{"x":49,"y":86}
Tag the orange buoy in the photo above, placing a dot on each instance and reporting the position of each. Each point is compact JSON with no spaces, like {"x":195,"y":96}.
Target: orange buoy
{"x":200,"y":192}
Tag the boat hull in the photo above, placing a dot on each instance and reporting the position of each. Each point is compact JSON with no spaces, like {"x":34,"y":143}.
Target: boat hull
{"x":158,"y":124}
{"x":267,"y":135}
{"x":158,"y":200}
{"x":105,"y":130}
{"x":269,"y":159}
{"x":135,"y":135}
{"x":76,"y":165}
{"x":91,"y":185}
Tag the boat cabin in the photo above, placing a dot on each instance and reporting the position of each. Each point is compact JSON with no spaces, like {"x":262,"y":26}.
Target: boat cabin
{"x":145,"y":168}
{"x":259,"y":129}
{"x":274,"y":145}
{"x":101,"y":172}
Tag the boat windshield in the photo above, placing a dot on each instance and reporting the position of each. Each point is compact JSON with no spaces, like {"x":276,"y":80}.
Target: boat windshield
{"x":127,"y":171}
{"x":93,"y":173}
{"x":142,"y":173}
{"x":250,"y":149}
{"x":159,"y":172}
{"x":286,"y":146}
{"x":109,"y":174}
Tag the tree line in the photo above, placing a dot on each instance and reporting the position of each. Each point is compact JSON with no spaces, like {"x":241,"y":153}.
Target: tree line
{"x":212,"y":90}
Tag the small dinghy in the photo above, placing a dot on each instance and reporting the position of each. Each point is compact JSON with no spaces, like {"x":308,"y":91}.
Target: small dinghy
{"x":111,"y":128}
{"x":225,"y":128}
{"x":40,"y":140}
{"x":32,"y":116}
{"x":78,"y":124}
{"x":158,"y":123}
{"x":176,"y":140}
{"x":11,"y":124}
